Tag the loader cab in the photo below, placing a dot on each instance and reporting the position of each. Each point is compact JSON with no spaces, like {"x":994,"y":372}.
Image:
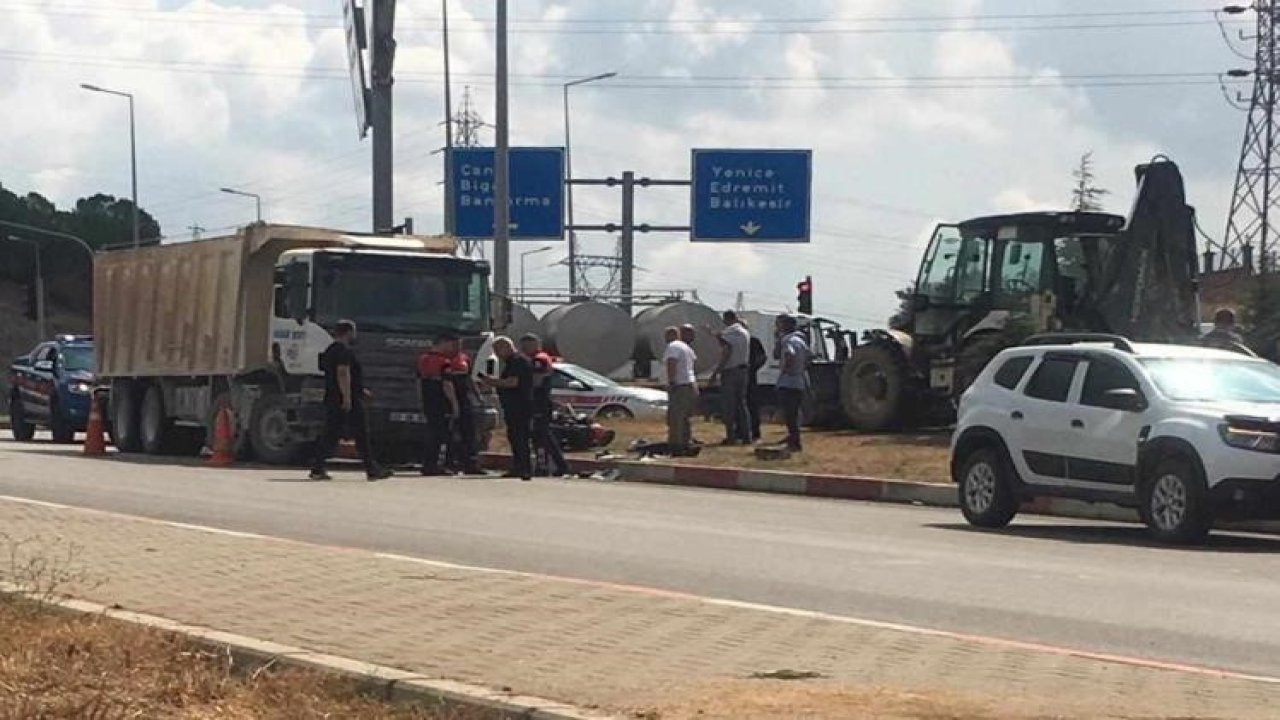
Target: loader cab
{"x":1034,"y":265}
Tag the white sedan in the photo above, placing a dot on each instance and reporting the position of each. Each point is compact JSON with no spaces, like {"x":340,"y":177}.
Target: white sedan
{"x":598,"y":396}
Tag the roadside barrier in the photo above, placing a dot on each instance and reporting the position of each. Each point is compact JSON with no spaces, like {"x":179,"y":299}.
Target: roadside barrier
{"x":95,"y":441}
{"x":223,"y":442}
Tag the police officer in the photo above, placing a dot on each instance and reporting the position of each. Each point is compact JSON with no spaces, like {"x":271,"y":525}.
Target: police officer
{"x":462,"y":446}
{"x":439,"y":400}
{"x":344,"y":396}
{"x":544,"y":442}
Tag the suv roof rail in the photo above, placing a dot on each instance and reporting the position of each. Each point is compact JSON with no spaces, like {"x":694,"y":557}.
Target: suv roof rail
{"x":1119,"y":343}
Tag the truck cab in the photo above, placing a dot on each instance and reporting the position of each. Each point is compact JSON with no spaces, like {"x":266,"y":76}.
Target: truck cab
{"x":52,"y":387}
{"x":400,"y":302}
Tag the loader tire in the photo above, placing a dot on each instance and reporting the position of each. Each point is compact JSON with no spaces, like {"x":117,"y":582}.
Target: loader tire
{"x":872,"y":388}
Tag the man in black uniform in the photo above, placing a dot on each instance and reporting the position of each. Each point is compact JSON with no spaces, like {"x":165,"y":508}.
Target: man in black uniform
{"x":544,"y":443}
{"x":515,"y":391}
{"x":344,"y":395}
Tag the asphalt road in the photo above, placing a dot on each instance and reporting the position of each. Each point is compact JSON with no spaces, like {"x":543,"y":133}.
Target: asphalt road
{"x":1091,"y":586}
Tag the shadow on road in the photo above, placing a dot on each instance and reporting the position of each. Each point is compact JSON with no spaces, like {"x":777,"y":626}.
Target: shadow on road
{"x":1131,"y":535}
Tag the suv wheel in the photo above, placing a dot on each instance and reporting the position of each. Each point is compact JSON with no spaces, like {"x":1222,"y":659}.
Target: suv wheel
{"x":986,"y":489}
{"x":1175,"y":503}
{"x":23,"y":431}
{"x":60,"y":426}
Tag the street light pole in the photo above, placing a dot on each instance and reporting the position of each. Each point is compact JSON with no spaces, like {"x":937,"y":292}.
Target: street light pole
{"x":133,"y":156}
{"x":568,"y":161}
{"x":501,"y":170}
{"x":524,"y":255}
{"x":256,"y":198}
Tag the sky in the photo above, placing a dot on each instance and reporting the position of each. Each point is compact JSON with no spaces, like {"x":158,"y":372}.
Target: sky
{"x":917,"y":112}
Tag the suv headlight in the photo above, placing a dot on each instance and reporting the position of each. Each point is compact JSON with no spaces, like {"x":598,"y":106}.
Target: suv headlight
{"x":1250,"y":439}
{"x":80,"y":388}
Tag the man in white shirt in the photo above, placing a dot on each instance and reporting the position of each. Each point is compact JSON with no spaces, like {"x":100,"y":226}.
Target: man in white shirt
{"x":734,"y":371}
{"x":682,"y":389}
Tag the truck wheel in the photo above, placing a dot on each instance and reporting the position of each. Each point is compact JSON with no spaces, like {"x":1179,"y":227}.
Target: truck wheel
{"x":124,"y":417}
{"x":986,"y":489}
{"x":23,"y":431}
{"x":269,"y":432}
{"x":156,"y":427}
{"x":59,"y":427}
{"x":1175,"y":503}
{"x":871,"y":388}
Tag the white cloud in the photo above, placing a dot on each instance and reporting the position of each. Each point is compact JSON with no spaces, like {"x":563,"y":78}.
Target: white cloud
{"x":886,"y":161}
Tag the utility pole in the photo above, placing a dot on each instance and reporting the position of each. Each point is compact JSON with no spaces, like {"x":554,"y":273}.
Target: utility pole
{"x":501,"y":174}
{"x":449,"y":220}
{"x":1252,"y":223}
{"x":627,"y":240}
{"x":382,"y":55}
{"x":195,"y":230}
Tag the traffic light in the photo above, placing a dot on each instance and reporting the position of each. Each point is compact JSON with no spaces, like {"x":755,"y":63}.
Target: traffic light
{"x":33,"y":303}
{"x":804,"y":296}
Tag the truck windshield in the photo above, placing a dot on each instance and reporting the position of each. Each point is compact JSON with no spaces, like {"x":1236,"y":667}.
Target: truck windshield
{"x":386,"y":293}
{"x":77,"y":359}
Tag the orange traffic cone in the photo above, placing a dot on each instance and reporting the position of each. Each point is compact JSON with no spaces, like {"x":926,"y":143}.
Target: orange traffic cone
{"x":223,"y":442}
{"x":95,"y":442}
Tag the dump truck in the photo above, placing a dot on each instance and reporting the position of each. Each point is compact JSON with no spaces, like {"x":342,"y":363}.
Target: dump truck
{"x":186,"y":329}
{"x":989,"y":282}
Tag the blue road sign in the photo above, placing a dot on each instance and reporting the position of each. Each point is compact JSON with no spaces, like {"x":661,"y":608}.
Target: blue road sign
{"x":537,"y":193}
{"x":751,"y":195}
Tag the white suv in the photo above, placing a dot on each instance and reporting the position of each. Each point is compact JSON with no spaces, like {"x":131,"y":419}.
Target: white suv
{"x":1187,"y":435}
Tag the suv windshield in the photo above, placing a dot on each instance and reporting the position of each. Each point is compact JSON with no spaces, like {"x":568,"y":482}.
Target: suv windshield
{"x":384,"y":293}
{"x":77,"y":358}
{"x":1192,"y":380}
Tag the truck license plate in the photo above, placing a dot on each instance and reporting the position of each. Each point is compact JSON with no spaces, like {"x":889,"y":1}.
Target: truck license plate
{"x":408,"y":417}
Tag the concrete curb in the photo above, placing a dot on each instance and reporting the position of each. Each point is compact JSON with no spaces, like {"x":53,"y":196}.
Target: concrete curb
{"x":386,"y":683}
{"x":844,"y":488}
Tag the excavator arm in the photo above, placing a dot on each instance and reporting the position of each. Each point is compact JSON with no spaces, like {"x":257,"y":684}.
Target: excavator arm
{"x":1145,"y":281}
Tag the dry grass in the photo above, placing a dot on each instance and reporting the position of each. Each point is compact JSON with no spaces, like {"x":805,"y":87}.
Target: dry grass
{"x":918,"y":457}
{"x":58,"y":665}
{"x":63,"y":665}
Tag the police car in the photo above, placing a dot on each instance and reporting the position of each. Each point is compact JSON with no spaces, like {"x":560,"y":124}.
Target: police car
{"x":598,"y":396}
{"x":51,"y":387}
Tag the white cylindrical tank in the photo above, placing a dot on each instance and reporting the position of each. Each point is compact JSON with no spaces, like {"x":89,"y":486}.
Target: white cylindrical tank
{"x":595,"y":335}
{"x":523,"y":321}
{"x":651,"y":324}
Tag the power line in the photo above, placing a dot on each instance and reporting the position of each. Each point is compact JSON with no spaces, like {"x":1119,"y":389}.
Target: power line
{"x":835,"y":83}
{"x":661,"y":26}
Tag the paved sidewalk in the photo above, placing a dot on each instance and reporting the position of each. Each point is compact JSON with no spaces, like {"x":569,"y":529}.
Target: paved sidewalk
{"x":616,"y":648}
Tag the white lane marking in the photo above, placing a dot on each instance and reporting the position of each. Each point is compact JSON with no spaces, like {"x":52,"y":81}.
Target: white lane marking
{"x":990,"y":641}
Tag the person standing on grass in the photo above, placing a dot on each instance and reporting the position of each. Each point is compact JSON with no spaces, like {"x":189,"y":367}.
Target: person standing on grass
{"x":544,"y":443}
{"x":682,"y":389}
{"x":733,"y":370}
{"x":759,"y":357}
{"x":1225,"y":335}
{"x":344,"y":396}
{"x":515,"y":392}
{"x":793,"y":379}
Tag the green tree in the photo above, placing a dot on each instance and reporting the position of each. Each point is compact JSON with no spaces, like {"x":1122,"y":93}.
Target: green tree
{"x":1086,"y":196}
{"x":901,"y":318}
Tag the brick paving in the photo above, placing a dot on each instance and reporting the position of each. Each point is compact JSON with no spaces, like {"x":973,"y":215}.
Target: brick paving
{"x":589,"y":644}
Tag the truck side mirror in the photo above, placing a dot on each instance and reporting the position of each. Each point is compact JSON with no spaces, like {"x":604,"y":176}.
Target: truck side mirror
{"x":919,"y":302}
{"x":44,"y":366}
